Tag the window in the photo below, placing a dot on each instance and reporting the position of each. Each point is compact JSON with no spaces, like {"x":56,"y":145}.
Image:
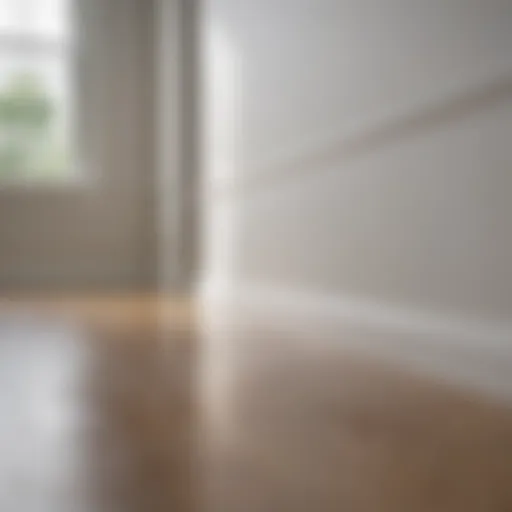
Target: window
{"x":35,"y":90}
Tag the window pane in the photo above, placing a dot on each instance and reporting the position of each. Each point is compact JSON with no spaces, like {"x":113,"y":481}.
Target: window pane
{"x":9,"y":16}
{"x":50,"y":18}
{"x":34,"y":117}
{"x":34,"y":89}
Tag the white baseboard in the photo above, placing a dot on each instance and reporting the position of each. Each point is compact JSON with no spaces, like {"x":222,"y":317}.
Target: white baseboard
{"x":462,"y":350}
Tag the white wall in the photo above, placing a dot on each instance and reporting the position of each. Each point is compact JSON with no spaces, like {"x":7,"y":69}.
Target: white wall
{"x":360,"y":151}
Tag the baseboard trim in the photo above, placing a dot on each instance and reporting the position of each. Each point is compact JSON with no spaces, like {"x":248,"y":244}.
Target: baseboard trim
{"x":464,"y":350}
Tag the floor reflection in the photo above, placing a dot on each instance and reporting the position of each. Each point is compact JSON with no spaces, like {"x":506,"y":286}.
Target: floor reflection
{"x":93,"y":420}
{"x":43,"y":365}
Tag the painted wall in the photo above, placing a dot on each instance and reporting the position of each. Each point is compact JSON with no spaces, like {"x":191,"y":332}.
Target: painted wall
{"x":361,"y":150}
{"x":99,"y":232}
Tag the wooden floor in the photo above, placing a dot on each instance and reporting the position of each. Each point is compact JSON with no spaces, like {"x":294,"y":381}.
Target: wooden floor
{"x":128,"y":404}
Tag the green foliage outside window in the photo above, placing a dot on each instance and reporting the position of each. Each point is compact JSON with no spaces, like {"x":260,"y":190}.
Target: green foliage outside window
{"x":29,"y":143}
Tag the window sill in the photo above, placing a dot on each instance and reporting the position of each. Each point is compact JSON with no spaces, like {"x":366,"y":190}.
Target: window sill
{"x":34,"y":186}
